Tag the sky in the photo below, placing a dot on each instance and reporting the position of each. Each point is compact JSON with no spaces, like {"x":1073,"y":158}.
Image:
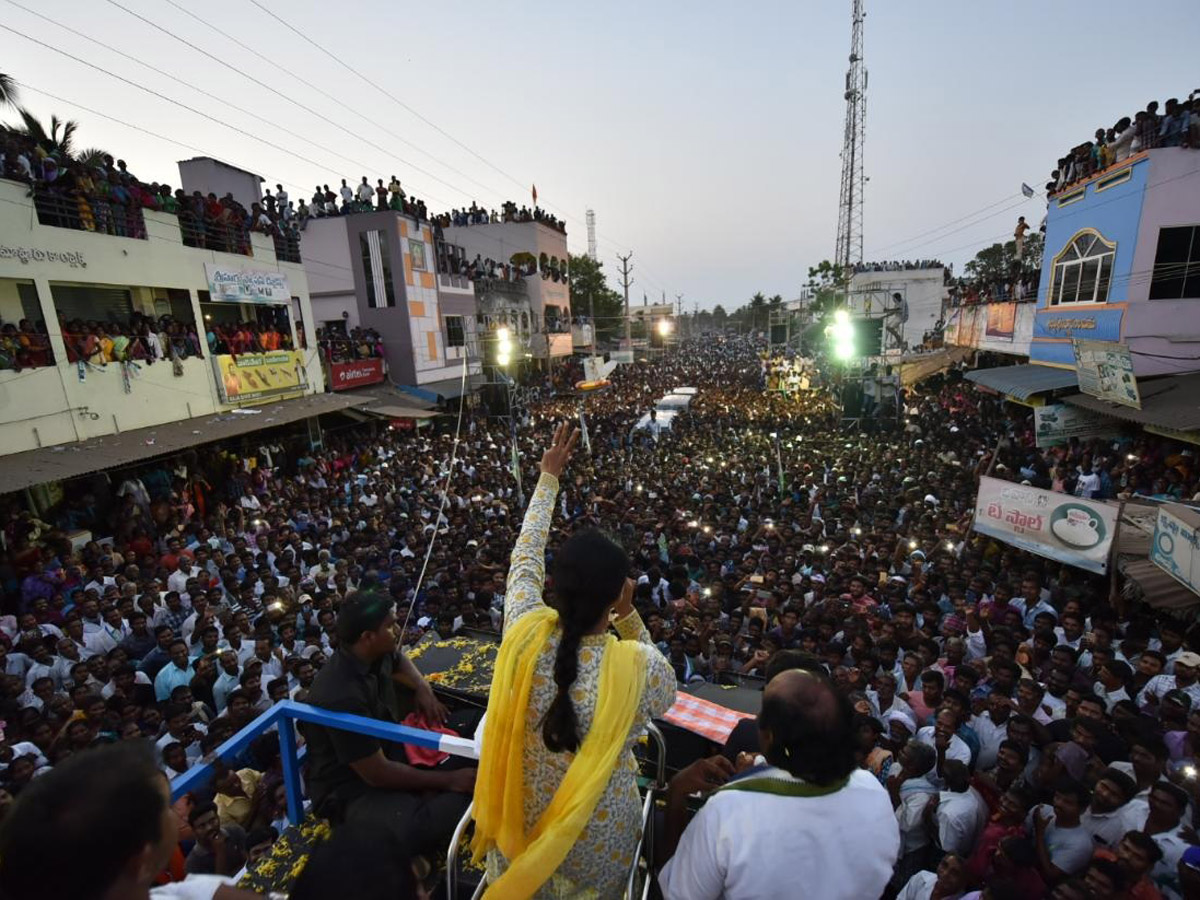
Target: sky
{"x":706,"y":136}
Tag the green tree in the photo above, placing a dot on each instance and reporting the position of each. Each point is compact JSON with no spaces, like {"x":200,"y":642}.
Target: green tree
{"x":591,"y":295}
{"x":758,"y":311}
{"x":826,"y":285}
{"x":999,"y":261}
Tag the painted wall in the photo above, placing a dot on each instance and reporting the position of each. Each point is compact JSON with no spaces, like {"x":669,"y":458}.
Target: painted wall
{"x":208,"y":175}
{"x":967,"y":326}
{"x":53,"y":405}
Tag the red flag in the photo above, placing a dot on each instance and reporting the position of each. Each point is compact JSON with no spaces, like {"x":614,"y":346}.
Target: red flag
{"x":535,"y":195}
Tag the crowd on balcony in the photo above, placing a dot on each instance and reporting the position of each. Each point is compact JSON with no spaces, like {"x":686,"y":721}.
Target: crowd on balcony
{"x":1177,"y":125}
{"x":898,"y":265}
{"x":338,"y":346}
{"x":1020,"y":286}
{"x":236,"y":338}
{"x":942,"y":712}
{"x":25,"y":345}
{"x":359,"y":199}
{"x":103,"y":196}
{"x":508,"y":212}
{"x":138,"y":339}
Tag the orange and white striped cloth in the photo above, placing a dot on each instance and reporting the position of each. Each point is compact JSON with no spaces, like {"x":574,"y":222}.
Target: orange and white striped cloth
{"x":703,"y":717}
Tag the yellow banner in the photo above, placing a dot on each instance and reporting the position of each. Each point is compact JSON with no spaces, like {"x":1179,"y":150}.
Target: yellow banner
{"x":252,"y":376}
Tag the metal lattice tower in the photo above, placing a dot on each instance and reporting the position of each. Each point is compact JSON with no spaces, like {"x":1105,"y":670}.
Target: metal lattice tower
{"x":591,"y":228}
{"x":850,"y":209}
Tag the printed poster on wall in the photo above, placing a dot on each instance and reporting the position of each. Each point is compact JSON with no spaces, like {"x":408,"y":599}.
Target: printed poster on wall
{"x":253,"y":376}
{"x":1105,"y":370}
{"x":1057,"y":423}
{"x":1001,"y":320}
{"x":1058,"y":526}
{"x":1175,"y":549}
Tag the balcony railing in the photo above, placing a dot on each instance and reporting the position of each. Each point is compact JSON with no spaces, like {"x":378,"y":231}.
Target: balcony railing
{"x":97,"y":214}
{"x":224,"y":238}
{"x":287,"y":248}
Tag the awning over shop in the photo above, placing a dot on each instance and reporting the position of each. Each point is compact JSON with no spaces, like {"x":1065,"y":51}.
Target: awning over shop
{"x":389,"y":411}
{"x":914,"y":369}
{"x":1159,"y":590}
{"x":447,"y":389}
{"x":22,"y":470}
{"x":1170,"y":403}
{"x":1024,"y":381}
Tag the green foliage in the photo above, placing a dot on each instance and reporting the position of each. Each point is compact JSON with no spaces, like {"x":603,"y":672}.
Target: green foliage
{"x":8,"y":90}
{"x":999,"y":261}
{"x":826,"y":285}
{"x":590,"y":292}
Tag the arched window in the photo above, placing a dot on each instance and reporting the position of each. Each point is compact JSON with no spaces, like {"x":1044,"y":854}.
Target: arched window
{"x":1082,"y":272}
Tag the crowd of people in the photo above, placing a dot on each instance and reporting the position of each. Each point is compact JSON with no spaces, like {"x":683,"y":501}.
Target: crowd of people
{"x":25,"y":345}
{"x":508,"y":212}
{"x":1031,"y":731}
{"x":358,"y":199}
{"x":898,"y":265}
{"x":103,"y":196}
{"x":270,"y":332}
{"x":139,"y":339}
{"x":1177,"y":125}
{"x":1019,"y":286}
{"x":359,"y":343}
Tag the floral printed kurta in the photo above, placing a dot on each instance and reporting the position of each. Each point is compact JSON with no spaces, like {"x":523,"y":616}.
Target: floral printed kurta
{"x":598,"y":865}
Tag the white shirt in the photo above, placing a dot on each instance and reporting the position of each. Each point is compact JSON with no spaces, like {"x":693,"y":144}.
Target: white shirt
{"x":960,"y":819}
{"x":1107,"y":829}
{"x":910,"y":814}
{"x":1160,"y":684}
{"x":1069,"y":848}
{"x":721,"y":854}
{"x":1165,"y":873}
{"x":919,"y":887}
{"x":194,"y":887}
{"x":991,"y":736}
{"x":958,"y":749}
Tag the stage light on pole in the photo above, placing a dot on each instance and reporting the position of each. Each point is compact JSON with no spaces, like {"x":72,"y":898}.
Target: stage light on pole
{"x":503,"y":346}
{"x":840,"y":334}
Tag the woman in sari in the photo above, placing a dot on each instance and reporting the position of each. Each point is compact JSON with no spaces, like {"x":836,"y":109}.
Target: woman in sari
{"x":556,"y":803}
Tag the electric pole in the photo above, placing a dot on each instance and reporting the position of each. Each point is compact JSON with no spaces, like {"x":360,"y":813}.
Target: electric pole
{"x":626,"y":269}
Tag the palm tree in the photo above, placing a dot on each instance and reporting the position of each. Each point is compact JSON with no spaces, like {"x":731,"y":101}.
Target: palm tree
{"x":60,"y":137}
{"x":757,"y":303}
{"x":8,"y":90}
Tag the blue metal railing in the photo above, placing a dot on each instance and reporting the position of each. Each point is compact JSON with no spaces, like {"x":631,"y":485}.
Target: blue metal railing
{"x":289,"y":711}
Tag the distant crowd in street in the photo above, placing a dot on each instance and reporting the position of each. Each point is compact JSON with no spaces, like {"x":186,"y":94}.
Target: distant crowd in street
{"x":899,"y":265}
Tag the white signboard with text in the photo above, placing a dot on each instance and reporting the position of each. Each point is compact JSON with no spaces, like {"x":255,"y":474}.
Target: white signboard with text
{"x":1069,"y":529}
{"x":1105,"y":370}
{"x":1057,"y":423}
{"x":227,"y":285}
{"x":1175,"y":549}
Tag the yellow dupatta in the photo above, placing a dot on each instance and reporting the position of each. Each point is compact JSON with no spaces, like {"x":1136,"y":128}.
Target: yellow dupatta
{"x":500,"y":786}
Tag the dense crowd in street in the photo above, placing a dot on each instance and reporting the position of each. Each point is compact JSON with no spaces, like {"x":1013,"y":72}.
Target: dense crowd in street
{"x":1032,"y":733}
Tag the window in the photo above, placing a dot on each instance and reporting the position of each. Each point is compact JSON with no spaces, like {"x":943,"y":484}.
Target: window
{"x":1082,"y":272}
{"x":377,"y":269}
{"x":456,"y":335}
{"x":1177,"y":264}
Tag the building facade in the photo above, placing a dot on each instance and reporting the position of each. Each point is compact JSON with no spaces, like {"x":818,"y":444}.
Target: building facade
{"x":380,"y":270}
{"x":1122,"y":263}
{"x":52,"y":275}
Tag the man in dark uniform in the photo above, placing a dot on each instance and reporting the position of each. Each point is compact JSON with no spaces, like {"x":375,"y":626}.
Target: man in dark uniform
{"x":365,"y":777}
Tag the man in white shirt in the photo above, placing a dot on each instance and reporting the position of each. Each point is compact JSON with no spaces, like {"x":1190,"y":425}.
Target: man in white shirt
{"x":1187,"y":668}
{"x":950,"y":880}
{"x":961,"y":812}
{"x":1111,"y":814}
{"x":946,"y":744}
{"x":1063,"y":845}
{"x":802,"y":805}
{"x":992,"y":728}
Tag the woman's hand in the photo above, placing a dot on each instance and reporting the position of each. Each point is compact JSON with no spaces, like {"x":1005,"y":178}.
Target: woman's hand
{"x":554,"y":460}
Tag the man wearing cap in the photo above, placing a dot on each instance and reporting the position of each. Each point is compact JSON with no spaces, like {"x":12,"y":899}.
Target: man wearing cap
{"x":1187,"y":669}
